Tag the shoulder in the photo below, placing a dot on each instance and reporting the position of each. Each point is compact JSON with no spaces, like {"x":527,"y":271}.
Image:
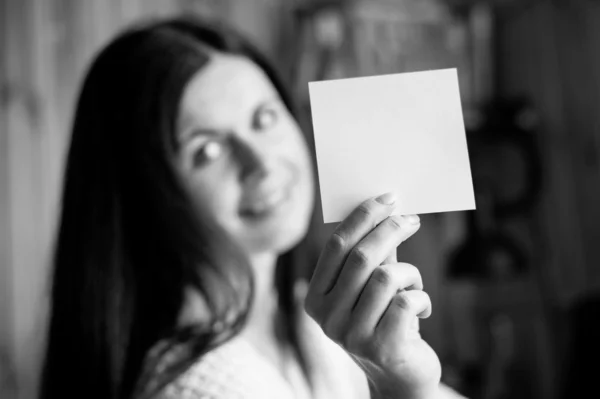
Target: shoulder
{"x":236,"y":370}
{"x":233,"y":370}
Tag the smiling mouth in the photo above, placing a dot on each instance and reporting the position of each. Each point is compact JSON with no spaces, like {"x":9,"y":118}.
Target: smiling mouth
{"x":266,"y":204}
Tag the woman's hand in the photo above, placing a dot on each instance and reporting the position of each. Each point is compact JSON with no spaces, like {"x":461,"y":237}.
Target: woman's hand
{"x":369,"y":304}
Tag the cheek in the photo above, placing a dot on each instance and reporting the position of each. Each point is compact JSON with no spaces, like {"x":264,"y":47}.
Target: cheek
{"x":296,"y":143}
{"x":301,"y":153}
{"x":217,"y":195}
{"x":301,"y":157}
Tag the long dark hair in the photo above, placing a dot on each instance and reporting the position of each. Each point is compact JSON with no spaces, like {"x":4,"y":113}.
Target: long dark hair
{"x":130,"y":242}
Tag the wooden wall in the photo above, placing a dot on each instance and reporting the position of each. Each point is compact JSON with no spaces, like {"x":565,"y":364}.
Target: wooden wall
{"x":551,"y":53}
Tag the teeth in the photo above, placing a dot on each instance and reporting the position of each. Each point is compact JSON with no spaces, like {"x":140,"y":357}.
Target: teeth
{"x":267,"y":203}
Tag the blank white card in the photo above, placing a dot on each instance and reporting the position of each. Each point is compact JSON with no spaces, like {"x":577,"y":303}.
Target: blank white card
{"x":400,"y":132}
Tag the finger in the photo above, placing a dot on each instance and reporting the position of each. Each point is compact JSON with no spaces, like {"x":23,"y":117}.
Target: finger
{"x":391,"y":258}
{"x":369,"y":254}
{"x":414,"y":330}
{"x":358,"y":224}
{"x":397,"y":320}
{"x":384,"y":283}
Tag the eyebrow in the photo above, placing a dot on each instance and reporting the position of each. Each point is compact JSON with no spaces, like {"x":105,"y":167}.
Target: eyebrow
{"x":194,"y":133}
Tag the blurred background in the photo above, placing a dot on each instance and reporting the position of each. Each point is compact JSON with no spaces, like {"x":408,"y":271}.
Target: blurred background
{"x":515,"y":284}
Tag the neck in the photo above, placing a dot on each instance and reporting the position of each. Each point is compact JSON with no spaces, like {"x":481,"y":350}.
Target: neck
{"x":260,"y":330}
{"x":265,"y":296}
{"x":262,"y":314}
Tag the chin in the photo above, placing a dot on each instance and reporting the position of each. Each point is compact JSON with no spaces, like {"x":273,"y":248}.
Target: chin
{"x":289,"y":239}
{"x":280,"y":234}
{"x":278,"y":238}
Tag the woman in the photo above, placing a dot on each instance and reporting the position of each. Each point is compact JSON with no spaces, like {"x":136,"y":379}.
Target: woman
{"x":187,"y":193}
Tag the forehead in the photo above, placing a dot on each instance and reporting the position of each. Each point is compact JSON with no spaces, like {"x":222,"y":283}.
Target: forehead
{"x":224,"y":89}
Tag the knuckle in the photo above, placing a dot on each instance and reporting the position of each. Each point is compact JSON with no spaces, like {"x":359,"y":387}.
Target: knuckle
{"x":359,"y":256}
{"x":336,"y":243}
{"x":426,"y":297}
{"x":331,"y":329}
{"x":366,"y":209}
{"x":394,"y":222}
{"x":414,"y":270}
{"x":378,"y":352}
{"x":416,"y":274}
{"x":310,"y":307}
{"x":403,"y":301}
{"x":382,"y":275}
{"x":353,"y":341}
{"x":382,"y":357}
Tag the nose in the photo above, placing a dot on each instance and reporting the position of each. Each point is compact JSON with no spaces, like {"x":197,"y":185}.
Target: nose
{"x":254,"y":160}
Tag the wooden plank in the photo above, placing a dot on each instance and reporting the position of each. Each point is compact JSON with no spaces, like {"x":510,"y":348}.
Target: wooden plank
{"x":129,"y":11}
{"x":579,"y":138}
{"x":164,"y":8}
{"x":24,"y":190}
{"x":99,"y":13}
{"x":49,"y":140}
{"x":531,"y":66}
{"x":592,"y":15}
{"x":32,"y":166}
{"x":251,"y":17}
{"x":585,"y":23}
{"x":7,"y":376}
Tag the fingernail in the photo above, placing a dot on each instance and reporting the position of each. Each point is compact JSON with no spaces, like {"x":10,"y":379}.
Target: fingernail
{"x":413,"y":219}
{"x":387,"y":198}
{"x":403,"y":220}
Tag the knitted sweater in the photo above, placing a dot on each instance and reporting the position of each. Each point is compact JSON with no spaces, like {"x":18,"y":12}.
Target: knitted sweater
{"x":238,"y":370}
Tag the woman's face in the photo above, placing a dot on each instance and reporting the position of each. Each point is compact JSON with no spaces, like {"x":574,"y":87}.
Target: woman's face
{"x":242,"y":155}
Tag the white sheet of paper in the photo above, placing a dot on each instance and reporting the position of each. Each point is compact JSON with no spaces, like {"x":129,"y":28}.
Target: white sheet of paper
{"x":400,"y":132}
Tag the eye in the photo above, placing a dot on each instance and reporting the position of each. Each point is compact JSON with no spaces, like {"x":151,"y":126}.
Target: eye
{"x":207,"y":153}
{"x":265,"y":118}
